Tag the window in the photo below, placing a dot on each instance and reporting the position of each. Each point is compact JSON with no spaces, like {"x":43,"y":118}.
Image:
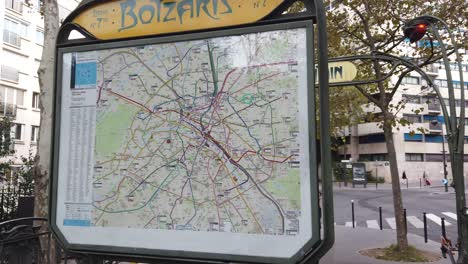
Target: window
{"x":412,"y":98}
{"x":19,"y":97}
{"x":16,"y":5}
{"x":372,"y":138}
{"x":412,"y":118}
{"x":430,"y":118}
{"x":434,"y":138}
{"x":373,"y":157}
{"x":35,"y":100}
{"x":435,"y":157}
{"x":9,"y":73}
{"x":441,"y":83}
{"x":13,"y":31}
{"x":39,"y":37}
{"x":411,"y":80}
{"x":414,"y":156}
{"x":34,"y":133}
{"x":17,"y":130}
{"x":11,"y":96}
{"x":414,"y":137}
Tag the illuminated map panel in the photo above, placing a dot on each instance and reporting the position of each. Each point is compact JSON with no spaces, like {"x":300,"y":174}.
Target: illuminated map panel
{"x":198,"y":146}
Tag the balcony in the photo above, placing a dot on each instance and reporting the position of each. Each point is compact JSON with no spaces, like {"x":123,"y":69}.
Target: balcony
{"x":435,"y":128}
{"x":8,"y":110}
{"x":433,"y":108}
{"x":431,"y":70}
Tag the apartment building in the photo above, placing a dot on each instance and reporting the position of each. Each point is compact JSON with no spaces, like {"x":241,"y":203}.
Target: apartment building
{"x":22,"y":35}
{"x":419,"y":153}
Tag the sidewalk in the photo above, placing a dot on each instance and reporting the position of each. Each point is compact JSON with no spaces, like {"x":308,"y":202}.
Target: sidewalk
{"x":388,"y":186}
{"x":348,"y":242}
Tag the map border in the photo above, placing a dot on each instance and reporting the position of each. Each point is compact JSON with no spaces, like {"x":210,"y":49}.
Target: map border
{"x":186,"y":255}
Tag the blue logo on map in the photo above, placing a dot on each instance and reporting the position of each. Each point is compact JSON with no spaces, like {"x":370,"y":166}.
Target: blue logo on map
{"x":86,"y":74}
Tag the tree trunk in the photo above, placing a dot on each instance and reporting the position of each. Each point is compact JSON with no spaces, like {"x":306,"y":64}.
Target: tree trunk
{"x":46,"y":83}
{"x":402,"y":240}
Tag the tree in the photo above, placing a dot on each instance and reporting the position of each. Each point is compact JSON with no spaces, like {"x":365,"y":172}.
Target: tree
{"x":42,"y":170}
{"x":345,"y":103}
{"x":364,"y":26}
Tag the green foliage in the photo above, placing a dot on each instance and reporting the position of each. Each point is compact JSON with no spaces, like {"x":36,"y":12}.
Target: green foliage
{"x":360,"y":27}
{"x":342,"y":173}
{"x":372,"y":179}
{"x":25,"y":174}
{"x":20,"y":176}
{"x":5,"y":137}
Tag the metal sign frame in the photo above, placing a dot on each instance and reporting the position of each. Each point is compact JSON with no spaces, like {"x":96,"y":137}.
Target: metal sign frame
{"x":313,"y":250}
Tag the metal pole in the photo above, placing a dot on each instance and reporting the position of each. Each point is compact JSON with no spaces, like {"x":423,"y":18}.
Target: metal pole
{"x":380,"y":218}
{"x":456,"y":140}
{"x":425,"y":226}
{"x":352,"y":212}
{"x":444,"y":234}
{"x":327,"y":184}
{"x":444,"y":159}
{"x":376,"y":179}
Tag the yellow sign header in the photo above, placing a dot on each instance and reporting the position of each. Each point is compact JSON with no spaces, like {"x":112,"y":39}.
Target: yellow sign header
{"x":343,"y":71}
{"x":134,"y":18}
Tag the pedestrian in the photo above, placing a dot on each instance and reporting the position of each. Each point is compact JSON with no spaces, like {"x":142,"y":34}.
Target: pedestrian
{"x":405,"y":179}
{"x":426,"y":179}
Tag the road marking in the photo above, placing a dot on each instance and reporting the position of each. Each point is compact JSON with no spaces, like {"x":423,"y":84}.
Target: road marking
{"x":373,"y":224}
{"x":391,"y":222}
{"x":451,"y":215}
{"x":415,"y":222}
{"x":350,"y":224}
{"x":437,"y":219}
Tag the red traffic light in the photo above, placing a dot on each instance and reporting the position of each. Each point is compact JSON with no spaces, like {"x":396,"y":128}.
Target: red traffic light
{"x":422,"y":27}
{"x":415,"y":32}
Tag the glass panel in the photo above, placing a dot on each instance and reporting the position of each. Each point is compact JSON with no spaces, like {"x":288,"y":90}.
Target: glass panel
{"x":19,"y":97}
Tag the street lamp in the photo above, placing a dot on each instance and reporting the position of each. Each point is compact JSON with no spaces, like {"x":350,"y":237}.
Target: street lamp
{"x":415,"y":29}
{"x":444,"y":158}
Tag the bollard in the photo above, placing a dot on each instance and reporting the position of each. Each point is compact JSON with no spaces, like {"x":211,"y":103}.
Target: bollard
{"x":420,"y":183}
{"x":407,"y":185}
{"x":406,"y":221}
{"x":352,"y":212}
{"x":425,"y":227}
{"x":380,"y":218}
{"x":444,"y":235}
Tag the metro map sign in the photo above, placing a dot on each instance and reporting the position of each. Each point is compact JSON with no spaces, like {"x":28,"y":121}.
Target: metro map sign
{"x":190,"y":146}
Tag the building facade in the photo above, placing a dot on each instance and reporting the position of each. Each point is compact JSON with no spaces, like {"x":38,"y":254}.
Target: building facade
{"x":420,"y":146}
{"x":22,"y":35}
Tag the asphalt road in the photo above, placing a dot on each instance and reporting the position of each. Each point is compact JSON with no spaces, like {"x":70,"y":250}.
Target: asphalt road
{"x":434,"y":201}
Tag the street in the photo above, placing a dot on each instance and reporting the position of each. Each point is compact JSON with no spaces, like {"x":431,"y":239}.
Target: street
{"x":434,"y":202}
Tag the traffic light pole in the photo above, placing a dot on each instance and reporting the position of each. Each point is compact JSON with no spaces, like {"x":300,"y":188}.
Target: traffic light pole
{"x":455,"y":135}
{"x":416,"y":29}
{"x":444,"y":161}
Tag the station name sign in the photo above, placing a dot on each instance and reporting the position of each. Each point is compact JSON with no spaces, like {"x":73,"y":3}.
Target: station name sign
{"x":132,"y":18}
{"x":343,"y":71}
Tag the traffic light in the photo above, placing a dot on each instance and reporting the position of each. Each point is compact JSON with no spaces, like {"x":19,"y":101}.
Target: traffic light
{"x":415,"y":31}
